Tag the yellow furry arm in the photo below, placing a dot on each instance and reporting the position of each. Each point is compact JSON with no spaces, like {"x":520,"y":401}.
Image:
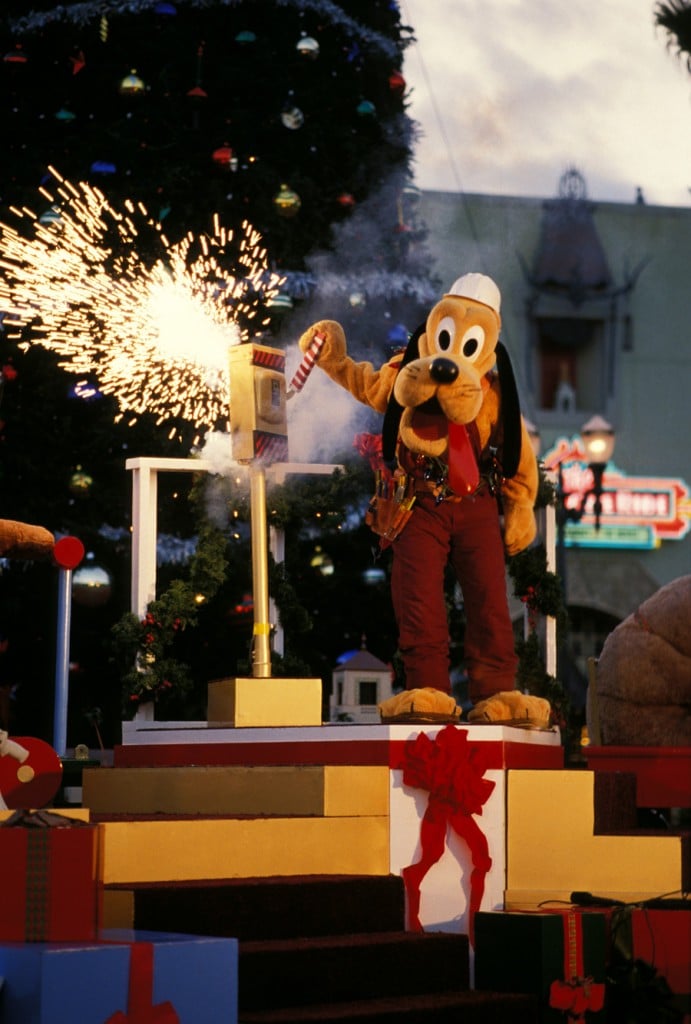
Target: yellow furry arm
{"x":518,"y":498}
{"x":519,"y":492}
{"x":369,"y":386}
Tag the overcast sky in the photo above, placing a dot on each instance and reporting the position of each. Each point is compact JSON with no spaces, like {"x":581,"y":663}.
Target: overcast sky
{"x":510,"y":93}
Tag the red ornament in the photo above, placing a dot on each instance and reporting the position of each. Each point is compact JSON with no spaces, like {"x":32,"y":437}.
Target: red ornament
{"x":78,"y":62}
{"x":16,"y":56}
{"x":346,"y":200}
{"x":397,"y":82}
{"x":225,"y":158}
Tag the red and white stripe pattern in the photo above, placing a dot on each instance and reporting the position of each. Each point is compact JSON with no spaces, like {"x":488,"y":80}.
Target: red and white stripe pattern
{"x":307,"y":364}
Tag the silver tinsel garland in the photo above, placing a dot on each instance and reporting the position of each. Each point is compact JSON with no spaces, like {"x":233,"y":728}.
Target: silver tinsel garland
{"x":375,"y":284}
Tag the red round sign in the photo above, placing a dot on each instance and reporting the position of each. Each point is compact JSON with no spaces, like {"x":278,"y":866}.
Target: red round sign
{"x":30,"y":773}
{"x":68,"y":552}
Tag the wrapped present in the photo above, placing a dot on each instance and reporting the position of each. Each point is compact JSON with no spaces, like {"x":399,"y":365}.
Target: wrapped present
{"x":51,"y":877}
{"x":663,"y":938}
{"x":124,"y":978}
{"x":558,"y":955}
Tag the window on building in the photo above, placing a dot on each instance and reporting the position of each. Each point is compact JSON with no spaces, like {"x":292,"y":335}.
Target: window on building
{"x":571,"y":364}
{"x":368,"y":691}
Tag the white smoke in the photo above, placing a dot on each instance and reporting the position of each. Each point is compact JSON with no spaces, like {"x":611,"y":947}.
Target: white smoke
{"x":323,"y":418}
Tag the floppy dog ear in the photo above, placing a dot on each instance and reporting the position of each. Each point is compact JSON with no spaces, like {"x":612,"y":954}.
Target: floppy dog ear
{"x":394,"y":411}
{"x":510,"y":413}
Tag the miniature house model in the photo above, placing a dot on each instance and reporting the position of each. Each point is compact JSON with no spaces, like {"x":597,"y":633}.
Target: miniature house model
{"x":360,"y":683}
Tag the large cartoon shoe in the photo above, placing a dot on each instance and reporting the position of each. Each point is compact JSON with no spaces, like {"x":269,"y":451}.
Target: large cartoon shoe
{"x":424,"y":705}
{"x":511,"y":707}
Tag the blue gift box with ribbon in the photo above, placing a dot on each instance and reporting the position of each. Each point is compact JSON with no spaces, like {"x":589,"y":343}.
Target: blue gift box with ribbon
{"x":126,"y":977}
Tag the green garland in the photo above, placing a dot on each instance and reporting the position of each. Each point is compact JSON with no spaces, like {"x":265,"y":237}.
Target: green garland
{"x":536,"y":586}
{"x":542,"y":593}
{"x":144,"y":649}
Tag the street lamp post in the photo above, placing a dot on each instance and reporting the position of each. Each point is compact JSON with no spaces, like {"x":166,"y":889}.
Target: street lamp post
{"x":598,"y":439}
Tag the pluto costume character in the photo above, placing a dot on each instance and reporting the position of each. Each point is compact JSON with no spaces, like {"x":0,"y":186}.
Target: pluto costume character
{"x":453,"y":430}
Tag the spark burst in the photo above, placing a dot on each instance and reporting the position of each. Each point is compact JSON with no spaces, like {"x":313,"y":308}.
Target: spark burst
{"x":154,"y":332}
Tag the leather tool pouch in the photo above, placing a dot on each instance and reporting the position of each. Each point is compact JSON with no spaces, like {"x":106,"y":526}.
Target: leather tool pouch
{"x":391,"y":506}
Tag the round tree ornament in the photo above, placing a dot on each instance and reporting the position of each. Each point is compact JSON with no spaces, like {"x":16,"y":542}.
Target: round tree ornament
{"x":308,"y":47}
{"x":280,"y":303}
{"x":396,"y":82}
{"x":225,"y":158}
{"x":92,"y":586}
{"x":16,"y":57}
{"x":287,"y":201}
{"x":132,"y":85}
{"x":50,"y":216}
{"x":80,"y":483}
{"x":292,"y":117}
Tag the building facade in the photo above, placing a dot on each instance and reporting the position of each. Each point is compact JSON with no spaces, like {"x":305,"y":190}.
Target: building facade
{"x":596,"y":316}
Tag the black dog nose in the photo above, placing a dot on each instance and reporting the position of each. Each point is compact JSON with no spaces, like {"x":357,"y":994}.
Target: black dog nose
{"x":443,"y":371}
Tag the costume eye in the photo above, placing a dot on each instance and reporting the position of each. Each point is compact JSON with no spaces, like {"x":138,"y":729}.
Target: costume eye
{"x":472,"y":343}
{"x":446,"y":330}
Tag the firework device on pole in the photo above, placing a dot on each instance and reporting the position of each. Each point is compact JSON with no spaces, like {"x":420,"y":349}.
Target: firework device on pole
{"x":307,"y":364}
{"x":259,"y":433}
{"x":258,"y":424}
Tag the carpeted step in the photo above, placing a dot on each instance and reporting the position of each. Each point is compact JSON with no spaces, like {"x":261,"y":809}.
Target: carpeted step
{"x":344,"y":968}
{"x":449,"y":1007}
{"x":271,"y":908}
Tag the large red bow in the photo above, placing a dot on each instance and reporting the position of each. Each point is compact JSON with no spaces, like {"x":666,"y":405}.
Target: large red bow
{"x":576,"y":996}
{"x":451,"y":770}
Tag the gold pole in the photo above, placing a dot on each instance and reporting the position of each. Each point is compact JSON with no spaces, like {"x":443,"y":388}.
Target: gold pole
{"x":261,"y":653}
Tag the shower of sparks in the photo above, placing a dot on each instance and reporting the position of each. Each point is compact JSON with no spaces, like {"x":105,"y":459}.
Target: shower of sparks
{"x":153,"y":332}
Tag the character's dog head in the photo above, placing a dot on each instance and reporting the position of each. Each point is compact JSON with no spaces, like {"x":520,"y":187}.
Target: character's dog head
{"x":442,"y":374}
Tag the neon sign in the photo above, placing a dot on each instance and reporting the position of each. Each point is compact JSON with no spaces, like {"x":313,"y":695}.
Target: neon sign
{"x":637,"y":511}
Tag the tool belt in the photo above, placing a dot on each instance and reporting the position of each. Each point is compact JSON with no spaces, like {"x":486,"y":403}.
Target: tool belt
{"x":431,"y":477}
{"x":391,"y":505}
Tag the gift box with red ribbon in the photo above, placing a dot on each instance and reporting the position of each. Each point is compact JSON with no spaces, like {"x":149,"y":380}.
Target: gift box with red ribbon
{"x":124,"y":978}
{"x":51,"y":878}
{"x":662,"y":938}
{"x":560,"y":956}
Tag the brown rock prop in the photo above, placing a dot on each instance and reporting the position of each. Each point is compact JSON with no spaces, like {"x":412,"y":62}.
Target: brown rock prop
{"x":643,"y":678}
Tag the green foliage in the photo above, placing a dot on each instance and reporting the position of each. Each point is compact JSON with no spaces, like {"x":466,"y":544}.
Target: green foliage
{"x":146,"y":650}
{"x":541,"y":591}
{"x":535,"y":585}
{"x":546,"y":489}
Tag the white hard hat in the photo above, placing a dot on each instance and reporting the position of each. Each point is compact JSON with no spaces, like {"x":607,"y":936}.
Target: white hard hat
{"x":478,"y":287}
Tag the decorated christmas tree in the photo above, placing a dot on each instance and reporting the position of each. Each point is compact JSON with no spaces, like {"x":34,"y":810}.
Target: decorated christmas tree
{"x":258,"y":157}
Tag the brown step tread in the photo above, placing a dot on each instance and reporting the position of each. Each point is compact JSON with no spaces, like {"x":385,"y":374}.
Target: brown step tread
{"x":440,"y":1008}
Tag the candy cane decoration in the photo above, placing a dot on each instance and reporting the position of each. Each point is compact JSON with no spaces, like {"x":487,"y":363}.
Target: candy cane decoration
{"x":307,"y":365}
